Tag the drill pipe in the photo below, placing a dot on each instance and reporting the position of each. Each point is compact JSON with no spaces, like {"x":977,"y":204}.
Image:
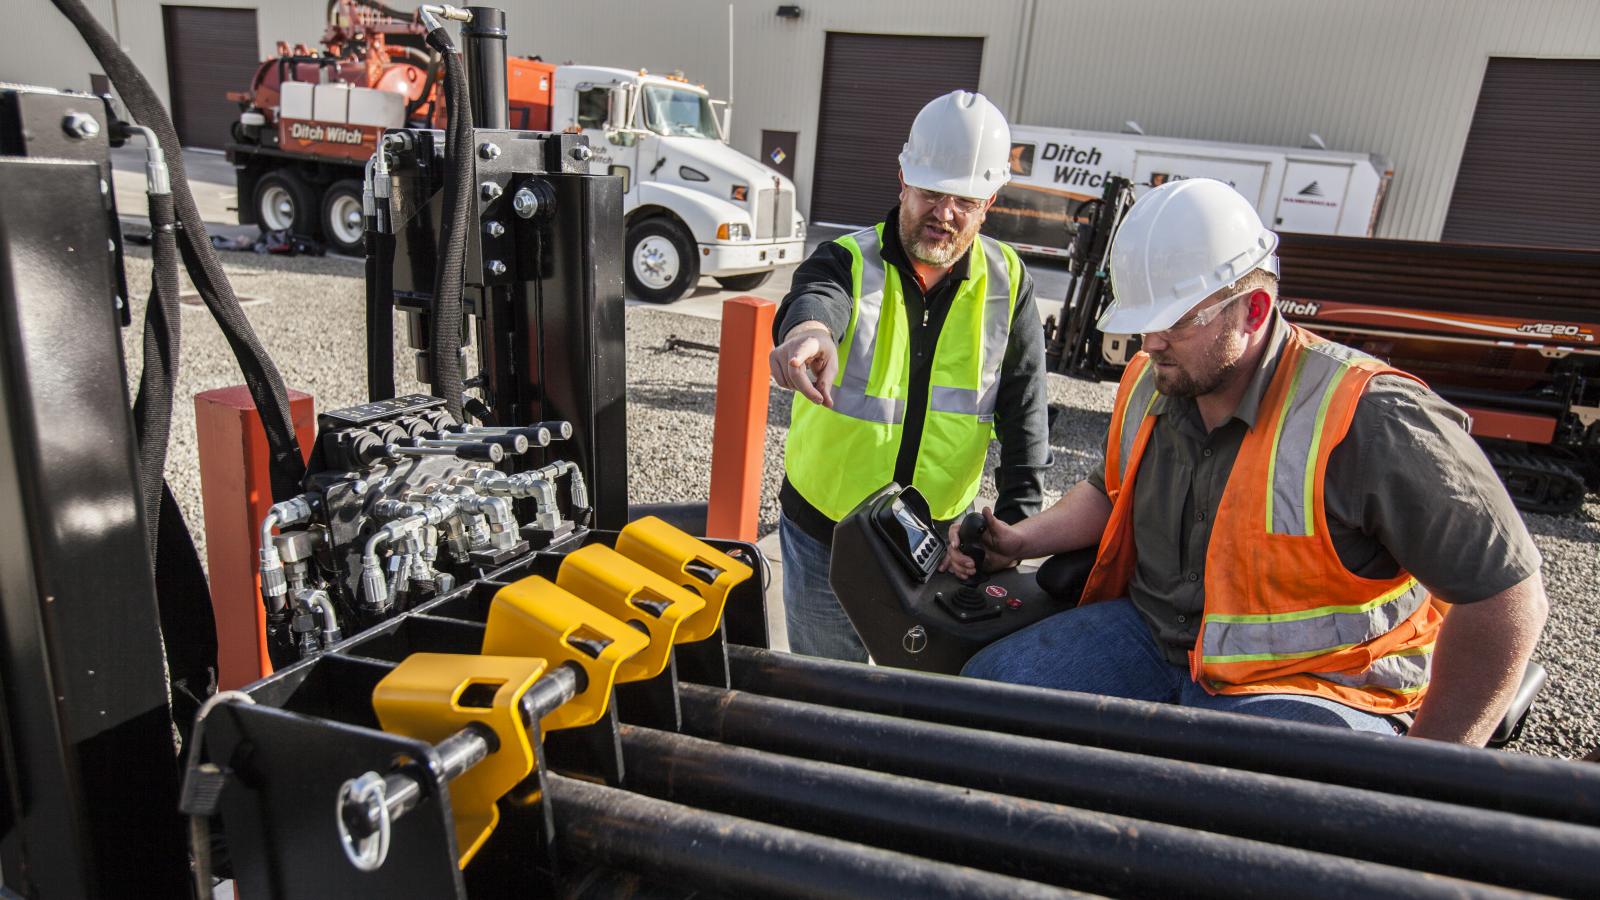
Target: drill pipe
{"x":1043,"y":842}
{"x":1468,"y":776}
{"x":1463,"y":842}
{"x":598,"y":825}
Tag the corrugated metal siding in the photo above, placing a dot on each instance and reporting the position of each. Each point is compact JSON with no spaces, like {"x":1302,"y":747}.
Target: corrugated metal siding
{"x":1400,"y":80}
{"x":878,"y":83}
{"x":1528,"y":172}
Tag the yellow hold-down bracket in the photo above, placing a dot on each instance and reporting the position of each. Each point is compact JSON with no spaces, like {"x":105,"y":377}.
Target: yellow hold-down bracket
{"x":431,"y":696}
{"x":619,"y":586}
{"x":688,"y":562}
{"x":536,"y":617}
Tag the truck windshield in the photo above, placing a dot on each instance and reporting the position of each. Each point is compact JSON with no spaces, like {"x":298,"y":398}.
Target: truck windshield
{"x":672,"y":111}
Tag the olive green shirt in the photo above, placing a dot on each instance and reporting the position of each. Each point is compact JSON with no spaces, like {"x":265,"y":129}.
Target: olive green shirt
{"x":1407,"y":487}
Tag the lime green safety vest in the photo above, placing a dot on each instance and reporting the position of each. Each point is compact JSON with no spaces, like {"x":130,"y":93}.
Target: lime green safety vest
{"x":836,"y":457}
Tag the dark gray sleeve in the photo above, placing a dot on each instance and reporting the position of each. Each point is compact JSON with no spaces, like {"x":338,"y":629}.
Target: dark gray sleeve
{"x":1410,"y":475}
{"x":1097,"y":477}
{"x":820,"y":292}
{"x":1021,"y":421}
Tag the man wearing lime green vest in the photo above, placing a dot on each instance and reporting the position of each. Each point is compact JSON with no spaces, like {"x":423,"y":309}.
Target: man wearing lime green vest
{"x":910,"y":346}
{"x":1286,"y":527}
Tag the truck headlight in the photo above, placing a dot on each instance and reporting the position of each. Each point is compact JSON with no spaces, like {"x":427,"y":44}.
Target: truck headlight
{"x":800,"y":228}
{"x":733,"y":231}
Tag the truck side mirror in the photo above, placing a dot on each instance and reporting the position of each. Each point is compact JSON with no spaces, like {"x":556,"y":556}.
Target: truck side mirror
{"x":617,"y":109}
{"x":722,"y":114}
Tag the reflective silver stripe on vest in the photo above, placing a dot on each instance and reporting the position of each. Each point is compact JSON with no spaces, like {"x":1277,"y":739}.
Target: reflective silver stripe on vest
{"x":1307,"y":633}
{"x":1140,"y":399}
{"x":1298,"y":438}
{"x":850,"y":397}
{"x":1405,"y":672}
{"x":996,"y":332}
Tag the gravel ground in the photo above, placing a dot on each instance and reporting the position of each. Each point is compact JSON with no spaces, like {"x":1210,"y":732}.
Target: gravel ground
{"x":311,"y":321}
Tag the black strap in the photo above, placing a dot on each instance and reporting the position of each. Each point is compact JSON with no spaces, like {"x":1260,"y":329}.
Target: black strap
{"x":188,"y":626}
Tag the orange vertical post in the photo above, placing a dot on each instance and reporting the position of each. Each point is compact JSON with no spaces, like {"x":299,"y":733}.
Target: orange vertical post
{"x":739,"y":437}
{"x":236,"y":491}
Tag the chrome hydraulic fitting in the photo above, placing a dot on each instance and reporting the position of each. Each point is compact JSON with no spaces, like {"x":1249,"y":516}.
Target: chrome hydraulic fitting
{"x":274,"y":584}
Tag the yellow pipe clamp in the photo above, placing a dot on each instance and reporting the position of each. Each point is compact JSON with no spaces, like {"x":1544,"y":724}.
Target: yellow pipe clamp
{"x":628,"y":591}
{"x":423,"y":699}
{"x":677,"y":556}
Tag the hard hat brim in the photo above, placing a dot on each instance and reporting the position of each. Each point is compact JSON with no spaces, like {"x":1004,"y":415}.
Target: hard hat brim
{"x":1138,"y":321}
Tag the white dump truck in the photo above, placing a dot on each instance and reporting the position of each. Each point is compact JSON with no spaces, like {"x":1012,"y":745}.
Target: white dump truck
{"x":1055,"y":171}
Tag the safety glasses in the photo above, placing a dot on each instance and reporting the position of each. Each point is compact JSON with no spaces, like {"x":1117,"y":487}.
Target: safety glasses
{"x":1195,"y":321}
{"x":963,"y":205}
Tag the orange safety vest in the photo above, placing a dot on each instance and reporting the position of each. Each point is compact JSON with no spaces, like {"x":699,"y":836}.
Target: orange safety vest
{"x":1282,"y":614}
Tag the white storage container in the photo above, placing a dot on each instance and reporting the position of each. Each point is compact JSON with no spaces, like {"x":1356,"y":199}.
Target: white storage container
{"x":382,"y":109}
{"x":294,"y":100}
{"x":332,"y":102}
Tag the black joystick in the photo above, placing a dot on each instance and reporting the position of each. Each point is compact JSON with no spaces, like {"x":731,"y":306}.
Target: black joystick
{"x":970,"y":539}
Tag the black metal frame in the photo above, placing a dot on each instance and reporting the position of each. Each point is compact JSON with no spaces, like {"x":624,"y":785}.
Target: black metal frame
{"x":90,"y":764}
{"x":312,"y":727}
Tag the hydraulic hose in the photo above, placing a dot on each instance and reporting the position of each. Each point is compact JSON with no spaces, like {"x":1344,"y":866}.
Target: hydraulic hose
{"x":194,"y":243}
{"x":380,"y":276}
{"x":152,"y":407}
{"x":444,"y":343}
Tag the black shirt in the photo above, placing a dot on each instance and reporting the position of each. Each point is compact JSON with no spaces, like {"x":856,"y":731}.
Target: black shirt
{"x":821,"y":293}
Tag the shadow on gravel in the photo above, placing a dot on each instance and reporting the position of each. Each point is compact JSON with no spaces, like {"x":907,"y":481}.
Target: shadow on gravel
{"x":1071,"y":422}
{"x":679,"y":396}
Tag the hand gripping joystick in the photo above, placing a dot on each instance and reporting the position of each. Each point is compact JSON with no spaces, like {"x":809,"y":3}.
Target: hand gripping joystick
{"x":970,"y":538}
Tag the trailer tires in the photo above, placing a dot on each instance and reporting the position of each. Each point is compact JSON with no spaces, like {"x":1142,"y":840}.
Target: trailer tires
{"x":662,"y":260}
{"x":343,"y":224}
{"x":283,"y":202}
{"x":744,"y":282}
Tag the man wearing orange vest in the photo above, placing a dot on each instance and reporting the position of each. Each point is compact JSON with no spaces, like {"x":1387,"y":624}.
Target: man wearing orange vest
{"x":1286,"y":527}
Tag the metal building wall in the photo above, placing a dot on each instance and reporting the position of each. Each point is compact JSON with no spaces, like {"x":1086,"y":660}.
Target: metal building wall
{"x":1397,"y":79}
{"x":777,"y":62}
{"x":50,"y":52}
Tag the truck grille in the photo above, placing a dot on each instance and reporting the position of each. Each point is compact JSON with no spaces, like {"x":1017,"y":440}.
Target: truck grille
{"x":774,"y":214}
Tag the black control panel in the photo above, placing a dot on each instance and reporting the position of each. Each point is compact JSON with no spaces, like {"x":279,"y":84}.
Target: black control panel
{"x":367,"y":413}
{"x":886,"y":556}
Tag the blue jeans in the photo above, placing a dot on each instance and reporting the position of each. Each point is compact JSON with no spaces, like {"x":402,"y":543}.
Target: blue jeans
{"x":817,"y":623}
{"x":1106,"y":648}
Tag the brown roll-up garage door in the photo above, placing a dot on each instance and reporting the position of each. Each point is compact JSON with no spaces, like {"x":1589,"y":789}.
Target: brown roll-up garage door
{"x":209,"y":53}
{"x":872,"y":87}
{"x":1527,"y":173}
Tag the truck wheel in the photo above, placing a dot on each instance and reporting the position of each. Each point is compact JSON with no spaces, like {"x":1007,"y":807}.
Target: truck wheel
{"x":744,"y":282}
{"x":662,"y":260}
{"x":342,"y":222}
{"x":284,"y":203}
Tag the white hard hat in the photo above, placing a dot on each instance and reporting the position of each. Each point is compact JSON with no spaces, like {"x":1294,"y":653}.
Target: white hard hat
{"x":960,"y":144}
{"x":1182,"y":242}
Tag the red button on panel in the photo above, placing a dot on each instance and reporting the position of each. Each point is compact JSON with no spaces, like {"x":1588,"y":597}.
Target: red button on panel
{"x":1014,"y":602}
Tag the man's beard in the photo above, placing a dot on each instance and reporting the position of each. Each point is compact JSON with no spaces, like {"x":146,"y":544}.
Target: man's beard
{"x":941,"y":253}
{"x":1218,"y":368}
